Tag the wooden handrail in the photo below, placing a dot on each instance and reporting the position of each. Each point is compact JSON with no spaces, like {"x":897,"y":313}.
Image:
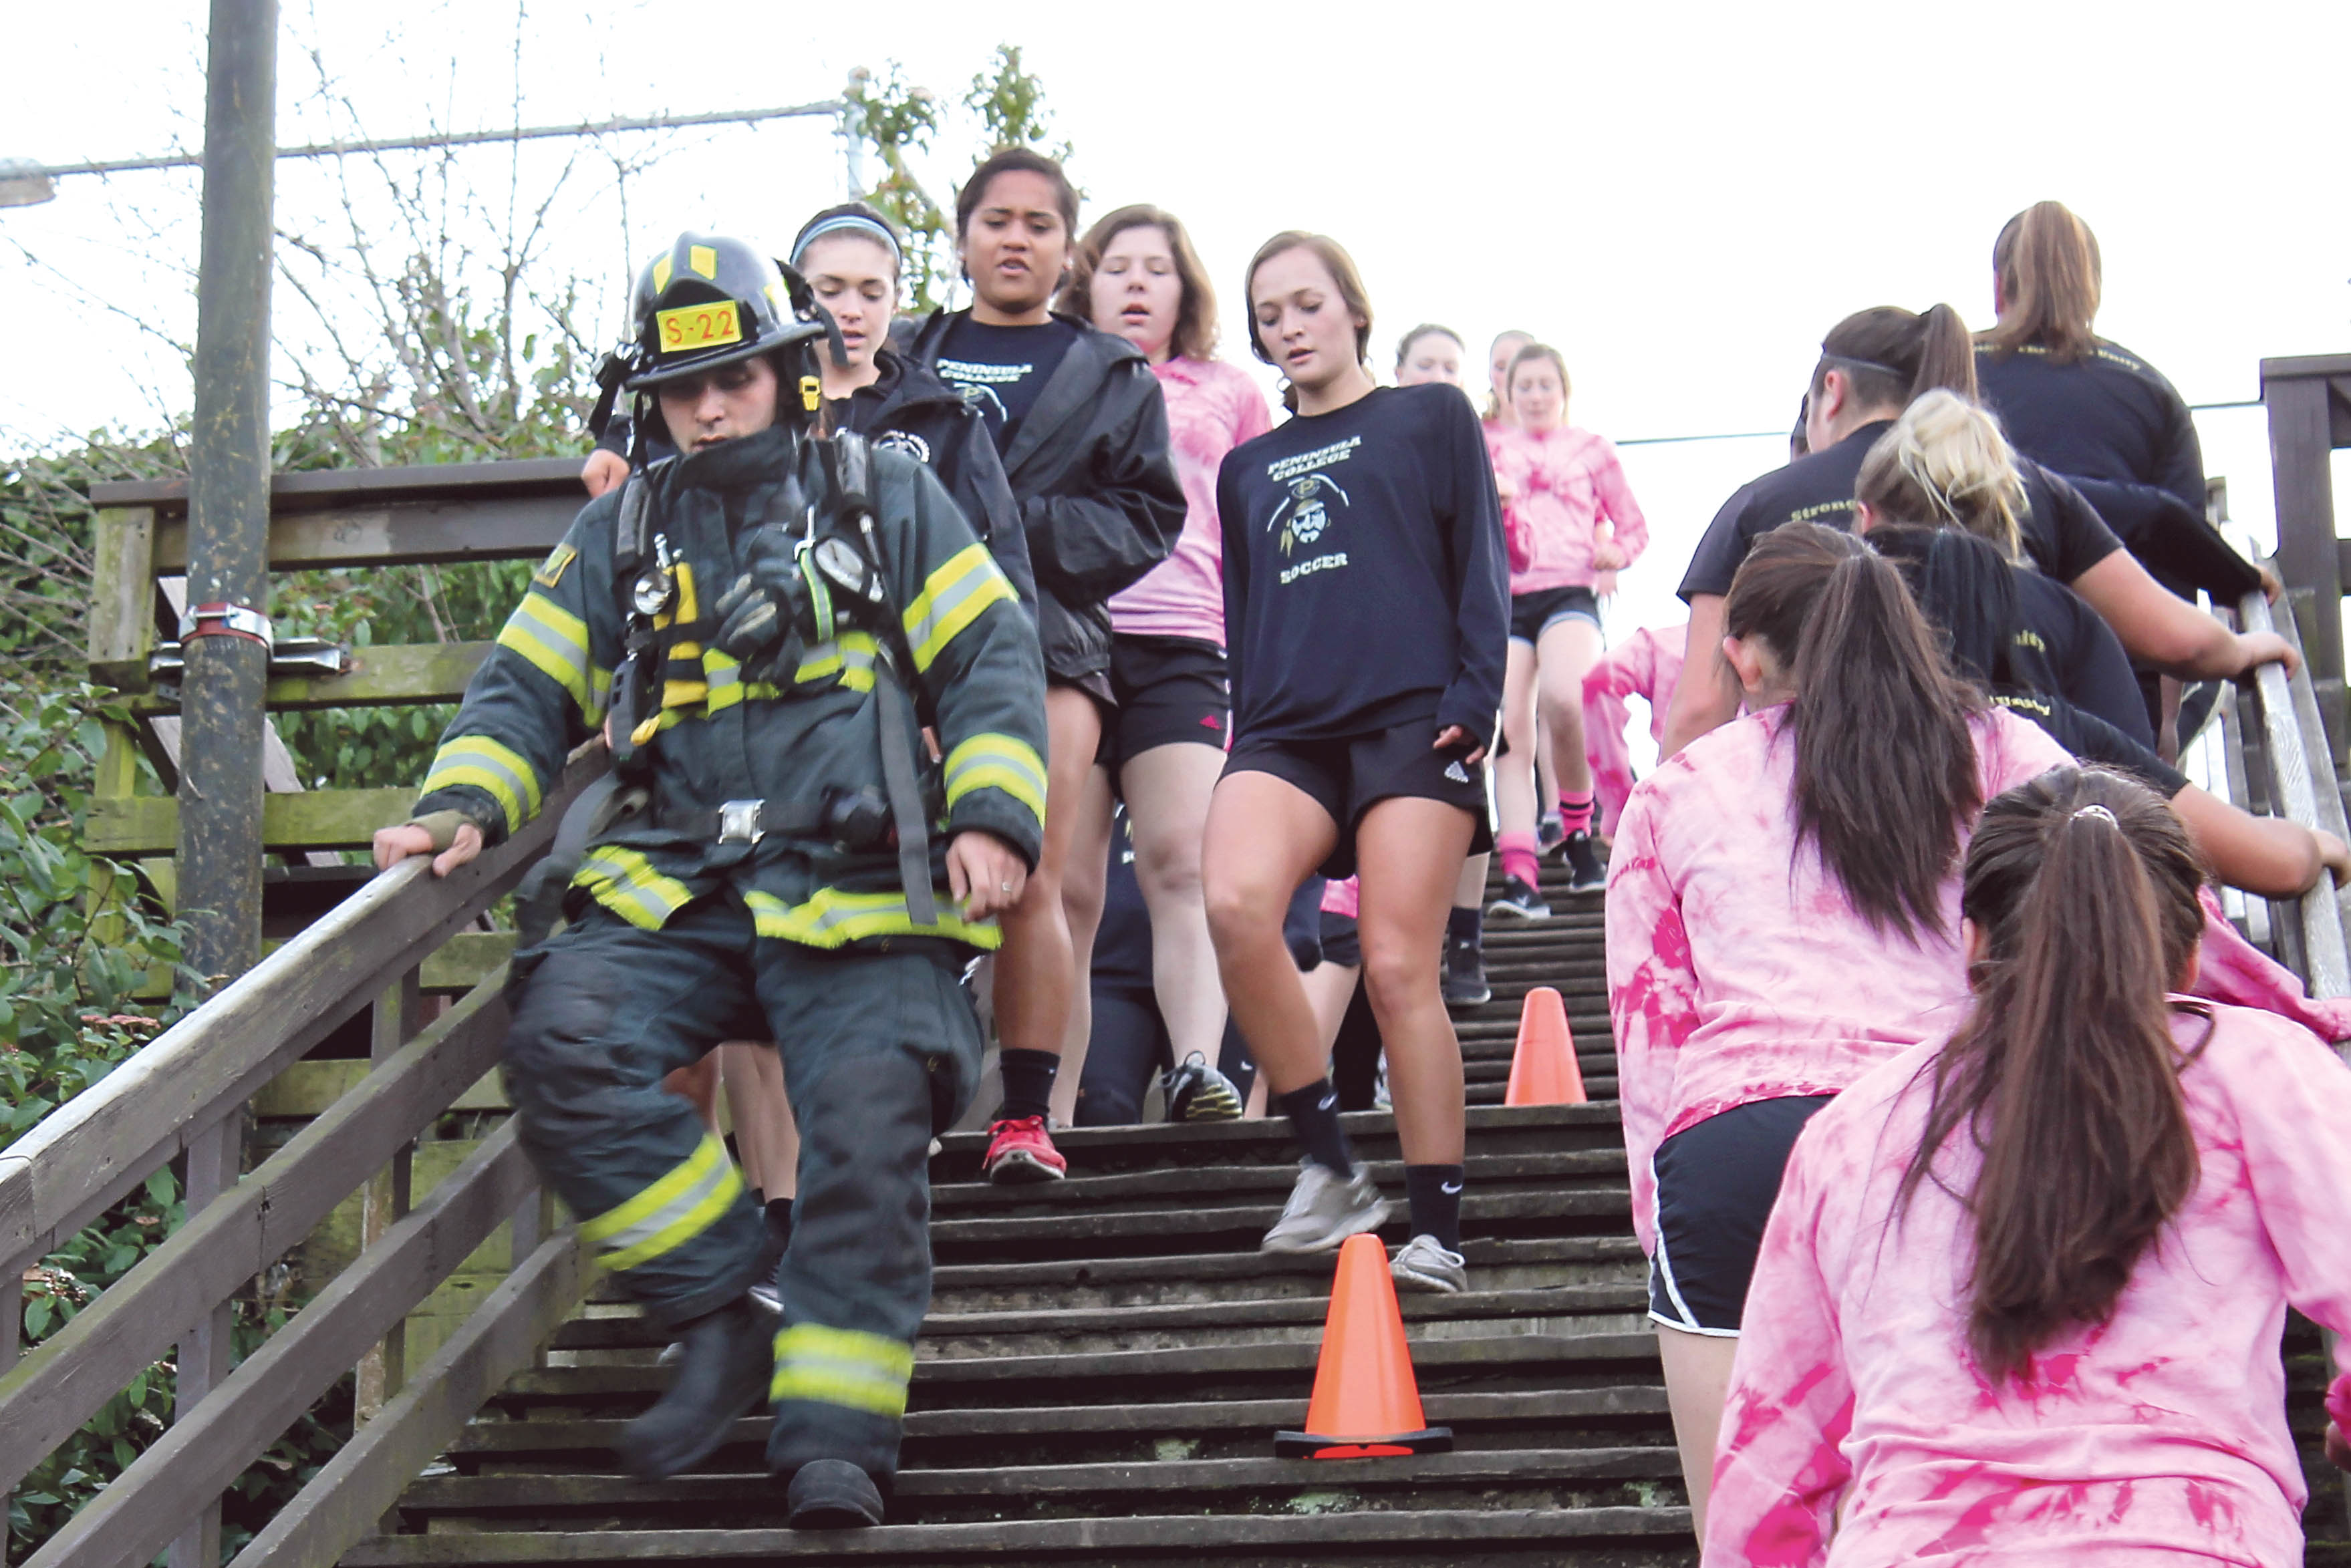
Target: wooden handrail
{"x":51,"y":1391}
{"x":2307,"y":791}
{"x":90,"y":1151}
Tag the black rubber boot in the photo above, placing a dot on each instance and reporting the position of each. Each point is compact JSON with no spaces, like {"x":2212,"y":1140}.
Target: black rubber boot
{"x":833,"y":1494}
{"x":724,"y":1366}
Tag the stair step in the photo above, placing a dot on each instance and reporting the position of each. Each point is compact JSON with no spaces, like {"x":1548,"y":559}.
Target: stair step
{"x":1110,"y":1193}
{"x":1531,"y":1477}
{"x":1334,"y":1531}
{"x":1605,"y":1414}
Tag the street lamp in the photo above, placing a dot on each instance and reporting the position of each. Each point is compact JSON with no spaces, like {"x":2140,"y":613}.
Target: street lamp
{"x":24,"y":183}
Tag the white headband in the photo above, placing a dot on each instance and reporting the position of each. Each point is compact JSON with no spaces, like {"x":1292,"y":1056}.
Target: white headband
{"x":850,"y":222}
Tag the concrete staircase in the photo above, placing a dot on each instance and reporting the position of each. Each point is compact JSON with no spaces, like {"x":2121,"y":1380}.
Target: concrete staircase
{"x":1107,"y":1359}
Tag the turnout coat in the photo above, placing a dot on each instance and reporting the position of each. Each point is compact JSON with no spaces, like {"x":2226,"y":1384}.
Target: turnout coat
{"x":722,"y":737}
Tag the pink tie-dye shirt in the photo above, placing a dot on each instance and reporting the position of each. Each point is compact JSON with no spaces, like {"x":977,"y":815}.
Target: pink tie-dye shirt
{"x":1212,"y":408}
{"x":1647,"y":665}
{"x":1567,"y":484}
{"x":1859,"y":1430}
{"x":1737,"y":969}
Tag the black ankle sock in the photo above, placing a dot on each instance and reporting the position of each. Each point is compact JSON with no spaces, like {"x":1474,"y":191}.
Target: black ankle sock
{"x":779,"y":1220}
{"x":1313,"y":1113}
{"x":1435,"y":1193}
{"x":1028,"y":1083}
{"x":1466,"y":925}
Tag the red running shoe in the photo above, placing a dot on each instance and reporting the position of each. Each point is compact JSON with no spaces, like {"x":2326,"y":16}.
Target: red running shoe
{"x":1022,"y":1152}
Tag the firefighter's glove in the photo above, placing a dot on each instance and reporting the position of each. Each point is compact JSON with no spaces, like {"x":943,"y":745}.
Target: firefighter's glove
{"x":763,"y":615}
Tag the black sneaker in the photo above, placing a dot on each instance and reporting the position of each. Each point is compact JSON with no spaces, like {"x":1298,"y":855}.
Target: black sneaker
{"x":1196,"y":1091}
{"x":1519,"y":899}
{"x":1551,"y":831}
{"x":1584,"y":872}
{"x":1465,"y":975}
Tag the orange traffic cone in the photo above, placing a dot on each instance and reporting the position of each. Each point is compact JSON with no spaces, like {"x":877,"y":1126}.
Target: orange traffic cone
{"x":1366,"y":1401}
{"x":1544,"y":1070}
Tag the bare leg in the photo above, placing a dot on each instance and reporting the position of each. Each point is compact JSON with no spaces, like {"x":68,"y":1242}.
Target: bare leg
{"x":1167,"y":792}
{"x":764,"y":1133}
{"x":1409,"y":851}
{"x":1469,"y":887}
{"x":1568,"y":651}
{"x":1698,"y":1385}
{"x":698,"y":1082}
{"x":1330,"y":987}
{"x":1514,"y":772}
{"x":1264,"y":837}
{"x":1036,"y":970}
{"x":1084,"y":879}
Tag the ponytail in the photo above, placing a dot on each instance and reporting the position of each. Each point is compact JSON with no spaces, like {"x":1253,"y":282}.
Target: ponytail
{"x":2083,"y":883}
{"x":1886,"y":759}
{"x":2046,"y":260}
{"x":1892,"y":355}
{"x":1945,"y":463}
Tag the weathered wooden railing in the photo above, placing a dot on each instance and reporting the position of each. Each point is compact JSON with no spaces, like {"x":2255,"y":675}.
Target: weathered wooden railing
{"x":96,"y":1147}
{"x":2302,"y":787}
{"x":183,"y":1097}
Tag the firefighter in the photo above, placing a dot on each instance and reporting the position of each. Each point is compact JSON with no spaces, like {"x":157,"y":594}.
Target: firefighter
{"x":761,"y":625}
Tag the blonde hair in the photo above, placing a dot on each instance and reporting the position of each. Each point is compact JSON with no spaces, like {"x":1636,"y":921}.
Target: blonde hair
{"x":1946,"y":464}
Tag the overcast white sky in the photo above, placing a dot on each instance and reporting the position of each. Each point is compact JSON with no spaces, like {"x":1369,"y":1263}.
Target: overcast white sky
{"x":1682,"y":197}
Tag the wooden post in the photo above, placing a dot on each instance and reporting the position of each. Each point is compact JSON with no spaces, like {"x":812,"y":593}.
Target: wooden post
{"x":386,"y":1199}
{"x":214,"y":1155}
{"x":228,"y":500}
{"x":2310,"y":555}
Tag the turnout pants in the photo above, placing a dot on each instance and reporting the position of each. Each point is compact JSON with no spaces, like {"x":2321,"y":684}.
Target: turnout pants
{"x":880,"y":1047}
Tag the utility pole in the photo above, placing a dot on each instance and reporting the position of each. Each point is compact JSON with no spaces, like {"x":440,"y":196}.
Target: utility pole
{"x":226,"y":639}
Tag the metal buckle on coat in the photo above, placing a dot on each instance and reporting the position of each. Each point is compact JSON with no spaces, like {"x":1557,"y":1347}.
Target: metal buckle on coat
{"x":738,"y":821}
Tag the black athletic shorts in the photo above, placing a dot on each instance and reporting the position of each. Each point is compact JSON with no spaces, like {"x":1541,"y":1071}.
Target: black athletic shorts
{"x":1347,"y":777}
{"x":1715,"y":1185}
{"x":1168,"y":689}
{"x":1342,"y":942}
{"x":1531,"y":615}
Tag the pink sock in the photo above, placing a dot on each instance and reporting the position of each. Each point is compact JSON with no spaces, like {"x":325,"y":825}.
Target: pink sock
{"x":1517,"y":853}
{"x":1575,"y":811}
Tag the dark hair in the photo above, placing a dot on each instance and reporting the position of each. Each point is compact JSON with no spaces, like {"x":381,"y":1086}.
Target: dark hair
{"x":1015,"y":161}
{"x":1404,"y":344}
{"x":1891,"y":355}
{"x":1532,"y":353}
{"x":1336,"y":260}
{"x":1885,"y":761}
{"x":2066,"y":1074}
{"x":861,"y":219}
{"x":1967,"y":591}
{"x":2047,"y":263}
{"x":1195,"y":312}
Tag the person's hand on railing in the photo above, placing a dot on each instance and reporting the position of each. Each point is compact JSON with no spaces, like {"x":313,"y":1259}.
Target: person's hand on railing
{"x":447,"y":835}
{"x":2335,"y":856}
{"x":2255,"y":649}
{"x":604,"y":469}
{"x":2273,"y":586}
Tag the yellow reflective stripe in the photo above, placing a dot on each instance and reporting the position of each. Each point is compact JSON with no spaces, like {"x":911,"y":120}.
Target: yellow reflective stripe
{"x":850,"y":656}
{"x":684,"y":693}
{"x":951,"y":600}
{"x":843,"y":1367}
{"x":997,"y":762}
{"x":672,"y":1211}
{"x":483,"y":763}
{"x":833,"y":917}
{"x":555,"y":641}
{"x":626,"y":883}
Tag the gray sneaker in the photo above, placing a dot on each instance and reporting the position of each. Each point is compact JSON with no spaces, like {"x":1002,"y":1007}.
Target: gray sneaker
{"x":1424,"y":1264}
{"x":1324,"y":1210}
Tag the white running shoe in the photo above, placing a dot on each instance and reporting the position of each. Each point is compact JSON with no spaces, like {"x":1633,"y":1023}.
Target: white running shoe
{"x":1324,"y":1210}
{"x":1423,"y":1263}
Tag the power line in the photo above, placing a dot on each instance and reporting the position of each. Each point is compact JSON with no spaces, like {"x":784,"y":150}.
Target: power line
{"x":449,"y":139}
{"x":1783,"y":435}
